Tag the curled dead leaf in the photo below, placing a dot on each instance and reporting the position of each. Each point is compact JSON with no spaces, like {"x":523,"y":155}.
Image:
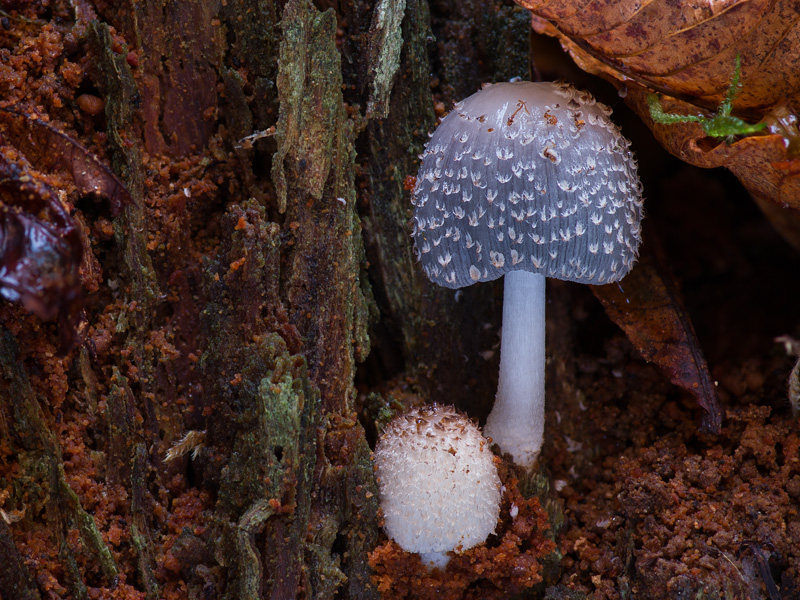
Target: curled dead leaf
{"x":648,"y":307}
{"x":687,"y":51}
{"x":761,"y":162}
{"x":683,"y":49}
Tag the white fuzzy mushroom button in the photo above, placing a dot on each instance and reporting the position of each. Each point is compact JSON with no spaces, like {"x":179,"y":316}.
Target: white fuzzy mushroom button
{"x":527,"y":180}
{"x":439,"y":488}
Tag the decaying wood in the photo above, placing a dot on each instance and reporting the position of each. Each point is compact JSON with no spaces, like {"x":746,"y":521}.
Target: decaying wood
{"x":239,"y":291}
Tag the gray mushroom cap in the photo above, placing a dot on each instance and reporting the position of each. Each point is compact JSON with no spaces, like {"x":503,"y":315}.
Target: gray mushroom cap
{"x":529,"y":176}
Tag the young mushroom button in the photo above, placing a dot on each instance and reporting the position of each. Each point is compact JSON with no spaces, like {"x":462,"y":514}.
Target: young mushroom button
{"x":439,"y":487}
{"x":527,"y":180}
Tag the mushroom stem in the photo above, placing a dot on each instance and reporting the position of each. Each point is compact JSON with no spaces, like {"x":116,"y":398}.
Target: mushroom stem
{"x":516,"y":422}
{"x":434,"y":560}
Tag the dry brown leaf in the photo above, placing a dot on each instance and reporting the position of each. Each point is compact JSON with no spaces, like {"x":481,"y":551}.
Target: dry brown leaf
{"x":648,"y":307}
{"x":684,"y":48}
{"x":686,"y":51}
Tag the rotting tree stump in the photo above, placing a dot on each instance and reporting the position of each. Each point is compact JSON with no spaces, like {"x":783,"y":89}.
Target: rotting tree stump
{"x":202,"y":440}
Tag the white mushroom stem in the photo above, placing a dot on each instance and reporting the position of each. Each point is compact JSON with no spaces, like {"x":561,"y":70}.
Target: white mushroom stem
{"x":434,"y":560}
{"x":516,"y":422}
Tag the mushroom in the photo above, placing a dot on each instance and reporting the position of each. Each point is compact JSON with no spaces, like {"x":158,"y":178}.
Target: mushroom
{"x":527,"y":180}
{"x":439,"y":487}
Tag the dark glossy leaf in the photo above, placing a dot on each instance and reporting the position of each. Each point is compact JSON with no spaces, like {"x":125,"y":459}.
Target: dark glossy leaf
{"x":38,"y":263}
{"x":40,"y":249}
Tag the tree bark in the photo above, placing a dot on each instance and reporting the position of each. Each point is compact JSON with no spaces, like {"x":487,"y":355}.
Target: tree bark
{"x":242,"y":287}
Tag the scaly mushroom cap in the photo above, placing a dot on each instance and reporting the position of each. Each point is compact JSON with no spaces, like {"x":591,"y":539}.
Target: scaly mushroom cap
{"x":439,"y":488}
{"x":529,"y":176}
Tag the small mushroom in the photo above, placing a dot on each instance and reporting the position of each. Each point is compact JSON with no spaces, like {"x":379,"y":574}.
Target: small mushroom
{"x":527,"y":180}
{"x":439,"y":487}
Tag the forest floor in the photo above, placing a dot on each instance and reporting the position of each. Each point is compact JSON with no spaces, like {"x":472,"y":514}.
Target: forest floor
{"x":653,"y":508}
{"x":658,"y":510}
